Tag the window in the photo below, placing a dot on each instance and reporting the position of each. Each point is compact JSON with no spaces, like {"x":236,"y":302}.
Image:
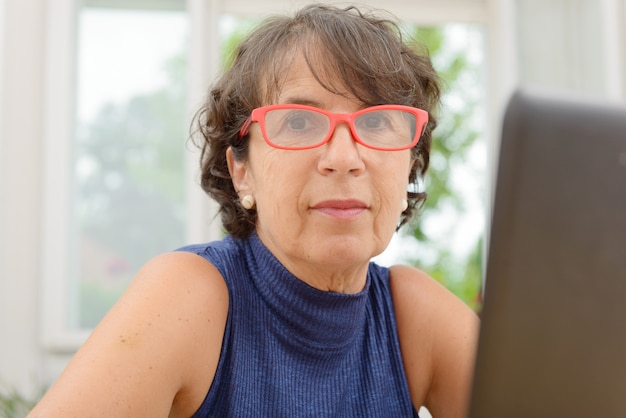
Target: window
{"x":123,"y":196}
{"x":128,"y":184}
{"x":118,"y":188}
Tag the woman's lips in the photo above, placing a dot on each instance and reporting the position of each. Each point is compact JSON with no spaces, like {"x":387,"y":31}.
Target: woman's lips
{"x":342,"y":209}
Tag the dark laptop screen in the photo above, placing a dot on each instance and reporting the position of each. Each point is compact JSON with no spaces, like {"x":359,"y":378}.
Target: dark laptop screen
{"x":553,"y":336}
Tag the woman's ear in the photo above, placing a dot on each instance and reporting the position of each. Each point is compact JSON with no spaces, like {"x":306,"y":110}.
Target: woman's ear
{"x":238,"y":173}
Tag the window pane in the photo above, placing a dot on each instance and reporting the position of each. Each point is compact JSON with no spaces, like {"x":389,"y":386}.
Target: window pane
{"x":128,"y":185}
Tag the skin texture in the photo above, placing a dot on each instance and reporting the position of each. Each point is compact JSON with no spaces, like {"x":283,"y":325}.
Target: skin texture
{"x":301,"y":196}
{"x":438,"y":336}
{"x":155,"y":353}
{"x":323,"y":213}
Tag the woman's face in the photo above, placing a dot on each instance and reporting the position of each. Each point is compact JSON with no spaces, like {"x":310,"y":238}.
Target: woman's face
{"x":324,"y":209}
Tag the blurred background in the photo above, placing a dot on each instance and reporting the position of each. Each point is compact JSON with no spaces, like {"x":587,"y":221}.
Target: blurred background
{"x":97,"y":174}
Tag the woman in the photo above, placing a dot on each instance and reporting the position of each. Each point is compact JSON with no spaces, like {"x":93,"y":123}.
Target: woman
{"x":310,"y":142}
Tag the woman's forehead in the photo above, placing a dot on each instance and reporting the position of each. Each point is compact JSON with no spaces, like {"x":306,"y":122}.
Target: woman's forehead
{"x":300,"y":70}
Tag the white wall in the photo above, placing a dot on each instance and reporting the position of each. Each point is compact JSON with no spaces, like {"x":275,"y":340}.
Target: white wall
{"x":20,"y":189}
{"x":575,"y":45}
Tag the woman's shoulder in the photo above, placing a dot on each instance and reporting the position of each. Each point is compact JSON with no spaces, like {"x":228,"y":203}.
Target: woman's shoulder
{"x":225,"y":255}
{"x":414,"y":289}
{"x":197,"y":307}
{"x":157,"y":349}
{"x":184,"y":278}
{"x":412,"y":285}
{"x":438,"y":335}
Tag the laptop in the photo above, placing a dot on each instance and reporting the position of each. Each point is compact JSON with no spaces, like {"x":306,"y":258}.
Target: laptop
{"x":553,"y":335}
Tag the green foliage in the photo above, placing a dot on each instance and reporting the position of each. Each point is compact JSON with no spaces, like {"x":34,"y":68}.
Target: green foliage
{"x":452,"y":141}
{"x":229,"y":45}
{"x":15,"y":405}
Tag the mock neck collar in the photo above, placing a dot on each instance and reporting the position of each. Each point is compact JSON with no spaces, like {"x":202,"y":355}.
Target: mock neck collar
{"x":317,"y":319}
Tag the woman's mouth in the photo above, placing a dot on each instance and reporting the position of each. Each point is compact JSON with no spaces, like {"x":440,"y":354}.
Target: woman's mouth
{"x":341,"y":208}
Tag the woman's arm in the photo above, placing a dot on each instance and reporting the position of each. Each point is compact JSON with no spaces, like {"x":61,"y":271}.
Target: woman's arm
{"x":155,"y":353}
{"x":438,"y":337}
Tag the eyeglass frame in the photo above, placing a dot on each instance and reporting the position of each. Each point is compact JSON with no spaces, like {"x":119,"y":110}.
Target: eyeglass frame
{"x":258,"y":115}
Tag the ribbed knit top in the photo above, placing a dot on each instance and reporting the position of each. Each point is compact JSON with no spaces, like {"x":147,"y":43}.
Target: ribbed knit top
{"x":290,"y":350}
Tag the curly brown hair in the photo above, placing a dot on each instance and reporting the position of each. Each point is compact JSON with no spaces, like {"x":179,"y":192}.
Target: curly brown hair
{"x":364,"y":56}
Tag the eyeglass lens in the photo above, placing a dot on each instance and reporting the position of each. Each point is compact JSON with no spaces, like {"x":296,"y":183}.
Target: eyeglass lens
{"x":386,"y":129}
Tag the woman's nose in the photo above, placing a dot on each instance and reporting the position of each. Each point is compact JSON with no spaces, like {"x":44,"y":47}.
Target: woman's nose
{"x":342,"y":154}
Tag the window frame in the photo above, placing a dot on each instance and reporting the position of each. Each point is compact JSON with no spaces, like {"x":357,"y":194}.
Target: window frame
{"x":204,"y":49}
{"x":59,"y":126}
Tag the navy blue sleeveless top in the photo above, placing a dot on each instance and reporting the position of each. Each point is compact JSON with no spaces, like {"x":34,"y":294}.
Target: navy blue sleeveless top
{"x":290,"y":350}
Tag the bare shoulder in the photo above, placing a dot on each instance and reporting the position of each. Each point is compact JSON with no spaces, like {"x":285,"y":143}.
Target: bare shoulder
{"x":156,"y":351}
{"x":438,"y":335}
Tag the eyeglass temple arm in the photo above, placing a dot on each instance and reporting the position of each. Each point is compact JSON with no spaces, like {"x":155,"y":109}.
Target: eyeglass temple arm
{"x":245,"y":127}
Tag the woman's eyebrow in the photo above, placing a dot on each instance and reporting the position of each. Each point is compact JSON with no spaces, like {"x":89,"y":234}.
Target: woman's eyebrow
{"x":302,"y":101}
{"x":310,"y":102}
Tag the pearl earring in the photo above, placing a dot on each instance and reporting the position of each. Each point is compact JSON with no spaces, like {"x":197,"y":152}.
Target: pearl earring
{"x":248,"y":202}
{"x":405,"y":204}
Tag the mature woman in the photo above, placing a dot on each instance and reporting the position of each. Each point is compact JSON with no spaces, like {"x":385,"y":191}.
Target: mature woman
{"x":310,"y":144}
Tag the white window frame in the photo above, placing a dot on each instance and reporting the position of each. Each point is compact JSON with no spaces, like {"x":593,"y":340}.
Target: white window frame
{"x":1,"y":76}
{"x":58,"y":135}
{"x":56,"y":335}
{"x":614,"y":12}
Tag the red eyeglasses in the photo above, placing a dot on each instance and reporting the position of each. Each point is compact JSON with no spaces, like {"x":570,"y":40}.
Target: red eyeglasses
{"x":299,"y":127}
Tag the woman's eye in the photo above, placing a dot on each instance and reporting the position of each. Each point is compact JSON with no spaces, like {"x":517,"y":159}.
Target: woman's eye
{"x":297,"y":123}
{"x":374,"y":121}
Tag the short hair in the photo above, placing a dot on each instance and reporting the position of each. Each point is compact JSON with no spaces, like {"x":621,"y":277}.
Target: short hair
{"x":365,"y":56}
